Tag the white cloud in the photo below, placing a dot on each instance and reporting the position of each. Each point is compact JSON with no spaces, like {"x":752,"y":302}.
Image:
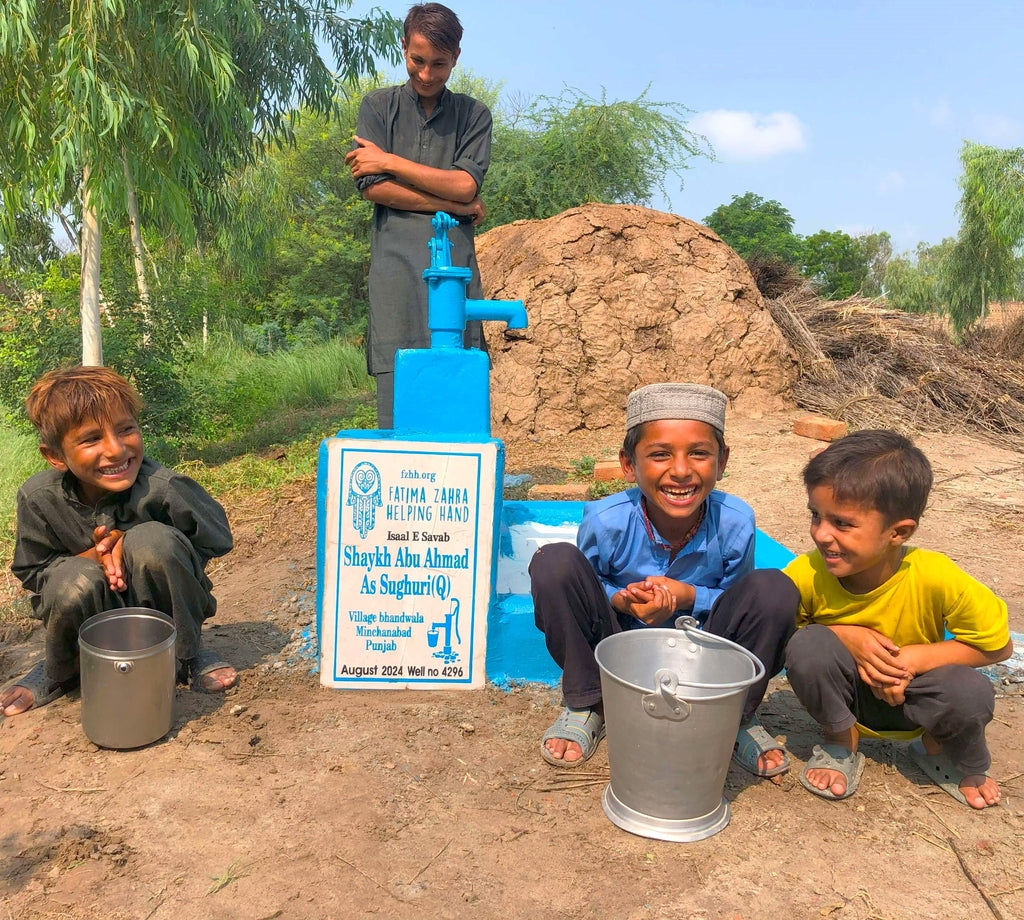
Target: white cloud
{"x":997,"y":129}
{"x":750,"y":135}
{"x":891,"y":182}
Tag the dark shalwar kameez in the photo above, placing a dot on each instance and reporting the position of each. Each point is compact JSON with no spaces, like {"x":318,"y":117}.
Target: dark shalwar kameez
{"x":172,"y":529}
{"x":456,"y":135}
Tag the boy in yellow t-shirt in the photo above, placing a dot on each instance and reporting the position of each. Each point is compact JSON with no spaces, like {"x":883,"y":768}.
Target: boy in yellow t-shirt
{"x":872,"y":647}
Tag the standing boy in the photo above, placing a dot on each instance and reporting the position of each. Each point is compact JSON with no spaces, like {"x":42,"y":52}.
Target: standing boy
{"x":106,"y":527}
{"x":420,"y":149}
{"x":672,"y":546}
{"x":872,"y":647}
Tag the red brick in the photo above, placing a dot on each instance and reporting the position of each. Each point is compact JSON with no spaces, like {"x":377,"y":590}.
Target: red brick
{"x":814,"y":453}
{"x":819,"y":427}
{"x":607,"y":470}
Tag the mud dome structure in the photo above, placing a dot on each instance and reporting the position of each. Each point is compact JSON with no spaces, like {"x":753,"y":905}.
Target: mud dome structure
{"x":620,"y":296}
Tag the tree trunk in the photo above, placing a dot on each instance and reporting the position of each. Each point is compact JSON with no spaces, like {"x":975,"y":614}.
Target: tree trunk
{"x":72,"y":236}
{"x":89,"y":291}
{"x":137,"y":252}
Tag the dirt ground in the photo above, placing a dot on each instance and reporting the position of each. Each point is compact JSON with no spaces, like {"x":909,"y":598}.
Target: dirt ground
{"x":283,"y":799}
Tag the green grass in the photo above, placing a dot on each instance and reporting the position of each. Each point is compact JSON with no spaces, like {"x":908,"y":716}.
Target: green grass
{"x":19,"y":459}
{"x":236,"y":390}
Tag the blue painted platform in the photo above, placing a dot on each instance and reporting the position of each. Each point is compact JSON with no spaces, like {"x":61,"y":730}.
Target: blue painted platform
{"x":515,"y":647}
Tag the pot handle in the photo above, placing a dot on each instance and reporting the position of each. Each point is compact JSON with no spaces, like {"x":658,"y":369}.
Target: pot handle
{"x":663,"y":703}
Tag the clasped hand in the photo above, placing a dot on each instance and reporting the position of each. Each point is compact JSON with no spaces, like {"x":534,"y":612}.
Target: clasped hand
{"x":107,"y":550}
{"x":880,"y":664}
{"x":652,"y":601}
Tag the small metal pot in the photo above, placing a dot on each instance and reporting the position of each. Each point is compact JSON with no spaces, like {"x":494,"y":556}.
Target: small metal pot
{"x":127,"y":669}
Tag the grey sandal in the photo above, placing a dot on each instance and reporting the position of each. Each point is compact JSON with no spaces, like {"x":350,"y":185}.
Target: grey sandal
{"x":834,"y":757}
{"x":584,"y":726}
{"x":751,"y":742}
{"x":43,"y":689}
{"x":940,"y":770}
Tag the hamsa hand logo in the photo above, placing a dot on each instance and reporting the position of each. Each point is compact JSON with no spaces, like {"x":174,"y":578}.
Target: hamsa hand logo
{"x":364,"y":496}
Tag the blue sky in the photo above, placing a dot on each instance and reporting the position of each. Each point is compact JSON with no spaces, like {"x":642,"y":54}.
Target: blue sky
{"x":851,"y":114}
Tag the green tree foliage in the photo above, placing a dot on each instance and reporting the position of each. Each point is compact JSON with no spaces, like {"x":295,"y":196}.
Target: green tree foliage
{"x":317,"y":227}
{"x":560,"y":152}
{"x":30,"y":246}
{"x":39,"y":317}
{"x":985,"y":263}
{"x":319,"y":266}
{"x":751,"y":225}
{"x":172,"y":95}
{"x":915,"y":282}
{"x":843,"y":265}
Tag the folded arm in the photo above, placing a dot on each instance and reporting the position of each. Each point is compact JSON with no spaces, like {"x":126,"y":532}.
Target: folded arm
{"x":394,"y":194}
{"x":368,"y":159}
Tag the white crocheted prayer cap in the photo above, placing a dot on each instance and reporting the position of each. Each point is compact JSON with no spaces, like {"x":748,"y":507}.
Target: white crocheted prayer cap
{"x":676,"y":400}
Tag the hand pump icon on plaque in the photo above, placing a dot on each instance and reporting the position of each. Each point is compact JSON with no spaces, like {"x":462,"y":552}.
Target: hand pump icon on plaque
{"x":449,"y":626}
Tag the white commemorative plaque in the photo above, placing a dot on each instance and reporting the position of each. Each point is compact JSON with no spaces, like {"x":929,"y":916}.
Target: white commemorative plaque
{"x":408,"y":530}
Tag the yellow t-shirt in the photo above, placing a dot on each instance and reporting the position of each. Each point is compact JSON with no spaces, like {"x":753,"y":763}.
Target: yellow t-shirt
{"x":928,"y":594}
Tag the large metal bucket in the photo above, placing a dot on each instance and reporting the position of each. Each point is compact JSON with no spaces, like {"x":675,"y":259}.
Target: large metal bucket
{"x":673,"y":699}
{"x":128,"y":670}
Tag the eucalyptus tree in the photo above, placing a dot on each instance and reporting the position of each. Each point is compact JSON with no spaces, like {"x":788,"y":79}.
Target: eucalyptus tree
{"x":159,"y":99}
{"x":985,"y":262}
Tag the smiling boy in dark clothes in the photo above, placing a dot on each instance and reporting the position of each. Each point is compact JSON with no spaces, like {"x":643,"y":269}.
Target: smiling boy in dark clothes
{"x":107,"y":527}
{"x":420,"y":149}
{"x":672,"y":546}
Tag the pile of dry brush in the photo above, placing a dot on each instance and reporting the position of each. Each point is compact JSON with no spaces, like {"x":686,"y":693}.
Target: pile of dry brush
{"x":878,"y":368}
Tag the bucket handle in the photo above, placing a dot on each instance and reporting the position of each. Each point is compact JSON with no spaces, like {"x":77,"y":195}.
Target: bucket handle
{"x":663,"y":703}
{"x":123,"y":667}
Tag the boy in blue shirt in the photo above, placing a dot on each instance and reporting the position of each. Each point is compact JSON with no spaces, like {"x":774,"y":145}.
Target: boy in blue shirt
{"x":107,"y":527}
{"x":671,"y":546}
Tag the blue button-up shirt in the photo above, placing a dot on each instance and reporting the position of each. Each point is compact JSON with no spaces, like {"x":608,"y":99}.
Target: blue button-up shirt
{"x":614,"y":539}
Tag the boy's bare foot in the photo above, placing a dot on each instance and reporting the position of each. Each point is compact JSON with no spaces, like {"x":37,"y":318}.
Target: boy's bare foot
{"x":573,"y":737}
{"x":978,"y":789}
{"x":16,"y":701}
{"x":758,"y":752}
{"x":207,"y":672}
{"x":33,"y":690}
{"x":560,"y":749}
{"x":833,"y":780}
{"x":218,"y":680}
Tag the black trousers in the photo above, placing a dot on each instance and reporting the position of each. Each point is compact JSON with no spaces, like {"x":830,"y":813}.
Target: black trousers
{"x":952,"y":703}
{"x":572,"y":610}
{"x":385,"y":400}
{"x":163,"y":572}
